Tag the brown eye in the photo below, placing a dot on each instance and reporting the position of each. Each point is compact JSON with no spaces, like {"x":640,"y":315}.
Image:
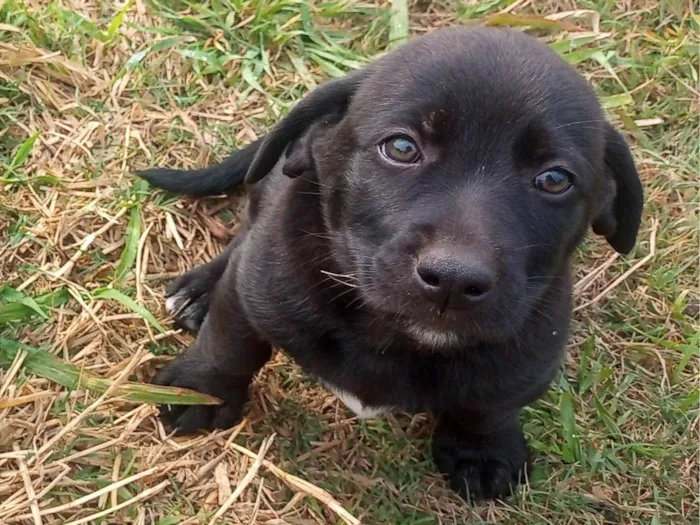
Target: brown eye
{"x":400,"y":149}
{"x":554,"y":182}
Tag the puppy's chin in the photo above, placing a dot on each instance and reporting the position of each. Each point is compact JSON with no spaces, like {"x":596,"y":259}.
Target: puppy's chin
{"x":450,"y":330}
{"x":432,"y":338}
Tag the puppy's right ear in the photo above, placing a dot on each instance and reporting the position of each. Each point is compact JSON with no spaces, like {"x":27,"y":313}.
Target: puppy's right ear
{"x":331,"y":98}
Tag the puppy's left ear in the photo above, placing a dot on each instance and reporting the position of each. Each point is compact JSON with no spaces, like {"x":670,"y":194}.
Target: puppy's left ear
{"x":619,"y":219}
{"x":329,"y":100}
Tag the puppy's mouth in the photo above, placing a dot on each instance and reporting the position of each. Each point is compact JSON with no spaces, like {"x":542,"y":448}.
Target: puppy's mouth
{"x":431,"y":326}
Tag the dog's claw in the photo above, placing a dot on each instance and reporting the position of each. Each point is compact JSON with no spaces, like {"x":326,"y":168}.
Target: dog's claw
{"x":188,"y":298}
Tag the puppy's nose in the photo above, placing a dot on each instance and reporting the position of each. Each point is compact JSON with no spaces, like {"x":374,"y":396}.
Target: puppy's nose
{"x":454,"y":281}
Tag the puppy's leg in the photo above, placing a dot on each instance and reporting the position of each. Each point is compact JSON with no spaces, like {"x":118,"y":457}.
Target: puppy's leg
{"x":222,"y":362}
{"x":484,"y":456}
{"x":189,"y":295}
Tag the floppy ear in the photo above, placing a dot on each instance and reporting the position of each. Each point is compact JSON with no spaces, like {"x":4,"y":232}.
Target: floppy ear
{"x":619,"y":219}
{"x":331,"y":98}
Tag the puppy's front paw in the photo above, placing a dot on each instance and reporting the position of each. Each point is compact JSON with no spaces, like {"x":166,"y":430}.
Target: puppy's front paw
{"x":187,"y":419}
{"x":189,"y":295}
{"x":482,"y":470}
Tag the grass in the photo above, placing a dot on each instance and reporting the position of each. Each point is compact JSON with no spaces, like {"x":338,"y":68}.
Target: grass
{"x":91,"y":90}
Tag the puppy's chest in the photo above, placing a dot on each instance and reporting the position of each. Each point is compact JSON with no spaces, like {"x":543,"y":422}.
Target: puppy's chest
{"x":363,"y":381}
{"x":371,"y":383}
{"x":367,"y":376}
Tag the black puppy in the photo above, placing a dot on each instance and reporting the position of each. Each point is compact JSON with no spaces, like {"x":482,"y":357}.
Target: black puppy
{"x":409,"y":236}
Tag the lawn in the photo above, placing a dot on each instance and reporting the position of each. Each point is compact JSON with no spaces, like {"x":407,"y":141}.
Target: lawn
{"x":91,"y":90}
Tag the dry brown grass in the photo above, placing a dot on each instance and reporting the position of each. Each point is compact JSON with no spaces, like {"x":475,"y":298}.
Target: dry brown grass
{"x":86,"y":214}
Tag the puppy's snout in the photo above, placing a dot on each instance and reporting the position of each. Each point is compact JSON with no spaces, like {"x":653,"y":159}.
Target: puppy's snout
{"x":454,"y":280}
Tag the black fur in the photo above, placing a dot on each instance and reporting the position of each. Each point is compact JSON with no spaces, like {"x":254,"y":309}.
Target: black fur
{"x":206,"y":181}
{"x":620,"y":222}
{"x":490,"y":110}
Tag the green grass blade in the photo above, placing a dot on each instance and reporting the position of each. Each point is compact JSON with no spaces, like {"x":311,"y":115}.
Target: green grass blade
{"x":398,"y":23}
{"x":327,"y":67}
{"x":42,"y":363}
{"x":136,"y":59}
{"x":576,"y":57}
{"x":54,"y":299}
{"x":336,"y":59}
{"x":571,"y":43}
{"x":14,"y":312}
{"x":616,"y":101}
{"x":604,"y":60}
{"x":302,"y":70}
{"x":108,"y":293}
{"x":572,"y":446}
{"x":131,"y":245}
{"x":21,"y":155}
{"x":688,"y":351}
{"x":249,"y":77}
{"x":24,"y":151}
{"x":34,"y":306}
{"x":532,"y":21}
{"x":117,"y":22}
{"x":23,"y":307}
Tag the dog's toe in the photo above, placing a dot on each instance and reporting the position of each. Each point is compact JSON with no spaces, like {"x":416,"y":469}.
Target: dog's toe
{"x":193,"y":315}
{"x":194,"y":418}
{"x":174,"y":303}
{"x":188,"y":298}
{"x":485,"y":479}
{"x":483,"y":469}
{"x":189,"y":311}
{"x":187,"y":419}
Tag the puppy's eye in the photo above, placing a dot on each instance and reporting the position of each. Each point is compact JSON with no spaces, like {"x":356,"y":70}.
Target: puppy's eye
{"x":400,"y":149}
{"x":554,"y":182}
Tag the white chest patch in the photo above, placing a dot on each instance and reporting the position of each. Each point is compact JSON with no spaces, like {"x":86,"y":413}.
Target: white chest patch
{"x":354,"y":404}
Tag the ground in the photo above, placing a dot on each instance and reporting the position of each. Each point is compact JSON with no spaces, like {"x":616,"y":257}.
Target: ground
{"x":91,"y":90}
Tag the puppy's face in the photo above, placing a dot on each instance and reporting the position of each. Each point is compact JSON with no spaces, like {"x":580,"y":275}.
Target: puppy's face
{"x":460,"y":177}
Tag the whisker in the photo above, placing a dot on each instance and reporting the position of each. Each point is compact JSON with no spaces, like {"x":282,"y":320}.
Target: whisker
{"x":532,"y":246}
{"x":342,"y":294}
{"x":339,"y":275}
{"x":579,"y":122}
{"x":324,"y":236}
{"x":338,"y":278}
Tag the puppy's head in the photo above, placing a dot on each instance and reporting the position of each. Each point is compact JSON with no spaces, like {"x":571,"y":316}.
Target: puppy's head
{"x":459,"y":173}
